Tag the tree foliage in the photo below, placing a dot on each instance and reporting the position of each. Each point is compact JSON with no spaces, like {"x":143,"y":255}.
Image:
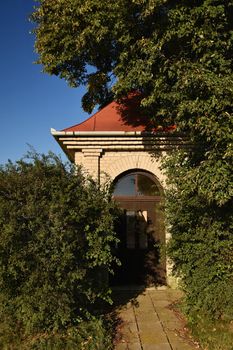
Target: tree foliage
{"x":56,"y":231}
{"x":178,"y":54}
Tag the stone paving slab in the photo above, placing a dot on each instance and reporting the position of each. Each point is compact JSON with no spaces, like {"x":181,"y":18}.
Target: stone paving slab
{"x":164,"y":346}
{"x":149,"y":323}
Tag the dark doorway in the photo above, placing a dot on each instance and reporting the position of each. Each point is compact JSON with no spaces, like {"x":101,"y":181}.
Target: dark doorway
{"x":140,"y":230}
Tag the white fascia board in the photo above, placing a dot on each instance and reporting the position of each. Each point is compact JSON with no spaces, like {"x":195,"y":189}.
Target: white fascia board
{"x":116,"y":133}
{"x":96,"y":133}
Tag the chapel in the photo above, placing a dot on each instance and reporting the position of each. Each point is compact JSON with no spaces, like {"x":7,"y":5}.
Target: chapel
{"x":119,"y":144}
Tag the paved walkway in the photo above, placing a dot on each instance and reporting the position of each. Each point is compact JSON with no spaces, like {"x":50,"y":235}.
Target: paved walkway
{"x":149,"y":323}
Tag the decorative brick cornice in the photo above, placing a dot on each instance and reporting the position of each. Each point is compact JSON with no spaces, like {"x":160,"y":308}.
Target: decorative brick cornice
{"x":93,"y":142}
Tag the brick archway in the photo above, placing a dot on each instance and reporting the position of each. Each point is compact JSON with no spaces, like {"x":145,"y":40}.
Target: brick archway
{"x":115,"y":164}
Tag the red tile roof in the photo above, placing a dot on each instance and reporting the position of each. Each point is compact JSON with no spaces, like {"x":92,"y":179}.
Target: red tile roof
{"x":119,"y":116}
{"x":116,"y":116}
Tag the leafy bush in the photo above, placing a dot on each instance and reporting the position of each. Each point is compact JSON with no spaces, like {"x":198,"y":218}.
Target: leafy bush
{"x":88,"y":335}
{"x":202,"y":242}
{"x":56,"y":232}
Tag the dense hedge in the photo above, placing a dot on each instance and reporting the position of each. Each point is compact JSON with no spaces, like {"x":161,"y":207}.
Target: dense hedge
{"x":56,"y":232}
{"x":202,"y":242}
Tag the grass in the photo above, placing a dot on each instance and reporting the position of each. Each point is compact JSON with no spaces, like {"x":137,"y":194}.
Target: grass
{"x":209,"y":334}
{"x":212,"y":335}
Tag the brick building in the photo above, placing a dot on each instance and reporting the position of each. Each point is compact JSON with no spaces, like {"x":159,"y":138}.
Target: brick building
{"x":120,"y":144}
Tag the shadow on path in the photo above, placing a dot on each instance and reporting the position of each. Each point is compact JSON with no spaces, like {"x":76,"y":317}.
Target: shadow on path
{"x":146,"y":321}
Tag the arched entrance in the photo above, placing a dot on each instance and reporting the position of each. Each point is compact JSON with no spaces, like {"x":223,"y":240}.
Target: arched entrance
{"x":140,"y":229}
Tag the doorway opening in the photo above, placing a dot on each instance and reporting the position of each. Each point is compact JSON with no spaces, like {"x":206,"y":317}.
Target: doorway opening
{"x":140,"y":230}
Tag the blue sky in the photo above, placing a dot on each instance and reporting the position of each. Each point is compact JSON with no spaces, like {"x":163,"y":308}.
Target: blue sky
{"x":31,"y":102}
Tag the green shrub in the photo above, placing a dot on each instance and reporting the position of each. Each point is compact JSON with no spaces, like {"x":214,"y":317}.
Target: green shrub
{"x":88,"y":335}
{"x":202,"y":242}
{"x":56,"y":232}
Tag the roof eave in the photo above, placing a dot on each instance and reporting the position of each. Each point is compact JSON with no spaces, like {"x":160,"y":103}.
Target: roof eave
{"x":111,"y":133}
